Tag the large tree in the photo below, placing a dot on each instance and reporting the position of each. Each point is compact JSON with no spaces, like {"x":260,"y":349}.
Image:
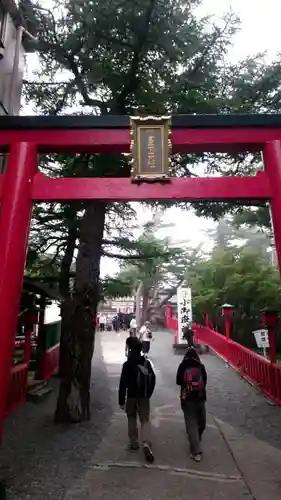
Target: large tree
{"x":150,"y":56}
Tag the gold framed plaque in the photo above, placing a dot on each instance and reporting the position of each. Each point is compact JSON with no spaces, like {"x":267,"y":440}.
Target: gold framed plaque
{"x":150,"y":148}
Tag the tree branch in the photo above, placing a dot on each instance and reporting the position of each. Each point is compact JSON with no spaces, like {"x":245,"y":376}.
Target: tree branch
{"x":141,"y":38}
{"x":135,"y":257}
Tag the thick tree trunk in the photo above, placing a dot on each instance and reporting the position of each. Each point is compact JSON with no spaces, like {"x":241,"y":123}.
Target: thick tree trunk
{"x":73,"y":403}
{"x":65,"y":293}
{"x":145,"y":303}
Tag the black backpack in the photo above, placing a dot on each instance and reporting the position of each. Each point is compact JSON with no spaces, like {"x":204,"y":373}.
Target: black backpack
{"x":192,"y":382}
{"x":145,"y":380}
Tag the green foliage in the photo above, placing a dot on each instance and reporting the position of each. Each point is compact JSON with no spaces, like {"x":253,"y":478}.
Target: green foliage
{"x":254,"y":217}
{"x":240,"y":277}
{"x":148,"y":267}
{"x":41,"y":266}
{"x":228,"y":233}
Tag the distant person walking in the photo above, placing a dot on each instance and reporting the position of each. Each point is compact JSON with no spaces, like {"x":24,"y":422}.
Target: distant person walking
{"x":137,"y":383}
{"x":103,"y":321}
{"x":128,"y":344}
{"x":188,"y":335}
{"x":192,"y":379}
{"x":145,"y":337}
{"x":133,"y":326}
{"x":116,"y":324}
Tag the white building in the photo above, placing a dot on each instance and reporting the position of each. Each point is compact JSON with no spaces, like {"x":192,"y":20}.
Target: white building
{"x":113,"y":306}
{"x":14,"y":43}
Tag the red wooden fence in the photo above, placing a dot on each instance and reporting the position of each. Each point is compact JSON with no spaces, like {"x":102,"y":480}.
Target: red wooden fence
{"x":50,"y":363}
{"x":255,"y":368}
{"x":17,"y":393}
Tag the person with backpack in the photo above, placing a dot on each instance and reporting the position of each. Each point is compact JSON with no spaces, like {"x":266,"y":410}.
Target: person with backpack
{"x":137,"y":383}
{"x":192,"y":379}
{"x":145,"y":337}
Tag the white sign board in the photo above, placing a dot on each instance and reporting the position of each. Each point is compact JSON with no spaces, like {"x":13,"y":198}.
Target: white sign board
{"x":261,"y":337}
{"x":184,"y":310}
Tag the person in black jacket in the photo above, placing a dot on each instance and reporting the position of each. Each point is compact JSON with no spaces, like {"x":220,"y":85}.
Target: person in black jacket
{"x":187,"y":334}
{"x":192,"y":378}
{"x":137,"y":383}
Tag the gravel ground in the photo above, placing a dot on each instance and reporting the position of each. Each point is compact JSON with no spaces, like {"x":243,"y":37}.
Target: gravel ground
{"x":40,"y":460}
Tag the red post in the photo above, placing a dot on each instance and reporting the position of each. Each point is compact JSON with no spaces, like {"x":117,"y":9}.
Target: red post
{"x":227,"y":327}
{"x":270,"y":319}
{"x":15,"y":215}
{"x":168,"y":315}
{"x":272,"y":344}
{"x":27,"y":344}
{"x":227,"y":311}
{"x":272,"y":164}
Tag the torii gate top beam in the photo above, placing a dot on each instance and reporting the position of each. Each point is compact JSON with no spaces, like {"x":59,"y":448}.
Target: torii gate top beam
{"x":110,"y":133}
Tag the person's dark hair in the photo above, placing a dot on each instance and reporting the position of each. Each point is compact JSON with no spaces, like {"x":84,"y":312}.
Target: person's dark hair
{"x":191,"y":353}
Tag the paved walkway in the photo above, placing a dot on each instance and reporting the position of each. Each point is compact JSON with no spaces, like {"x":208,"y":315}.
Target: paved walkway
{"x":242,"y":443}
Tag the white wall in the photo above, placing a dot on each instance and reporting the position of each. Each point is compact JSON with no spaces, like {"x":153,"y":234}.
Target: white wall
{"x":6,"y":68}
{"x":52,"y":314}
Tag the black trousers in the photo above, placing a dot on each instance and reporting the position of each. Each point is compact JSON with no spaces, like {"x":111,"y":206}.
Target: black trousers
{"x":195,"y":423}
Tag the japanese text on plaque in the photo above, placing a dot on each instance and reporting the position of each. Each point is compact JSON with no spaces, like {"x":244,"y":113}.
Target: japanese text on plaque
{"x":151,"y":151}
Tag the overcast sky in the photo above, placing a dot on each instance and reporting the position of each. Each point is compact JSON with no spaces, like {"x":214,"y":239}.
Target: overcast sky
{"x":259,"y":32}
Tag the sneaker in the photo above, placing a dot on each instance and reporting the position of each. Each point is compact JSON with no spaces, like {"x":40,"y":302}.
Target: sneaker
{"x":196,"y":458}
{"x":148,"y":454}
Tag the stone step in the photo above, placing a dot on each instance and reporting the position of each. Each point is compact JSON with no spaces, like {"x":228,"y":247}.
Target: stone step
{"x":35,"y":384}
{"x":39,"y":394}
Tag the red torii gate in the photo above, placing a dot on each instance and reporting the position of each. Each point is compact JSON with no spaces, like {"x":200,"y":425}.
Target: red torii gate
{"x":25,"y":137}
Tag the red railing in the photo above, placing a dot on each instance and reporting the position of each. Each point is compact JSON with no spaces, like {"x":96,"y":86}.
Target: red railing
{"x":255,"y":368}
{"x":17,"y":392}
{"x":50,"y":363}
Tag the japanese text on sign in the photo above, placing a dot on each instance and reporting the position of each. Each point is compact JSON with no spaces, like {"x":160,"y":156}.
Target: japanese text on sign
{"x":151,"y":151}
{"x":184,"y":310}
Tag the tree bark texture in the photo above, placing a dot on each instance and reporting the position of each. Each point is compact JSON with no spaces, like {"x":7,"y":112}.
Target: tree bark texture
{"x":65,"y":292}
{"x":145,"y":303}
{"x":79,"y":313}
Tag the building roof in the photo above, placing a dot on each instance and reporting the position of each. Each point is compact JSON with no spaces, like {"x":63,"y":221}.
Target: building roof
{"x":40,"y":288}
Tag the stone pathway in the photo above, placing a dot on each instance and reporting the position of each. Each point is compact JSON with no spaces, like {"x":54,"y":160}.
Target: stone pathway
{"x":242,"y":445}
{"x":227,"y":470}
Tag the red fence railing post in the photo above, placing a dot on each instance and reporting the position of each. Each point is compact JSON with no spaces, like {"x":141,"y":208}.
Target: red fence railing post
{"x":269,"y":318}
